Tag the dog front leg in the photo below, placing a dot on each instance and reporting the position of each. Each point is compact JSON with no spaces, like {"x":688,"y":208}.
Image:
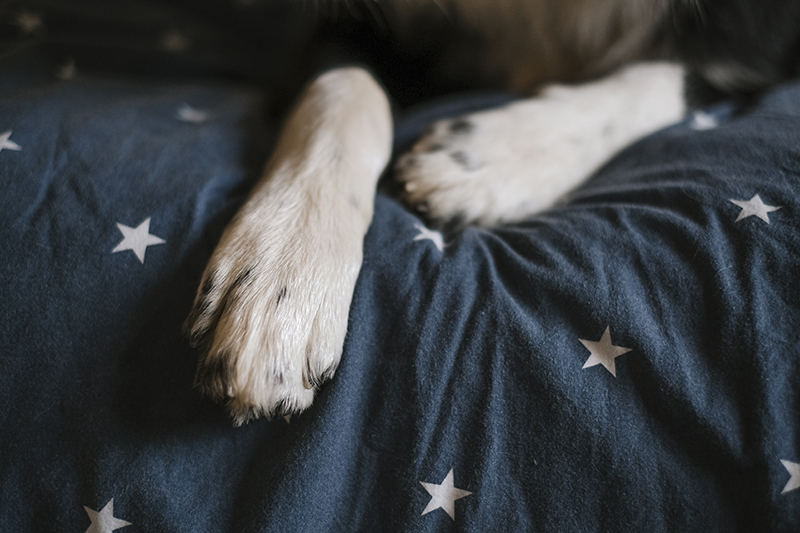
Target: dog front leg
{"x":505,"y":164}
{"x":271,"y":311}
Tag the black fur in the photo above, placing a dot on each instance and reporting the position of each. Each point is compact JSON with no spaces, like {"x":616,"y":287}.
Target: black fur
{"x":737,"y":46}
{"x":731,"y":47}
{"x":281,"y":296}
{"x":461,"y":125}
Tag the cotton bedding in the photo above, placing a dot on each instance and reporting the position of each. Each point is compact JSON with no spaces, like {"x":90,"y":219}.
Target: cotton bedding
{"x":625,"y":361}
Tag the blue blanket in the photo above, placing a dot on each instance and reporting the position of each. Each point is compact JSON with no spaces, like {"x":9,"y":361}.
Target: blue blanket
{"x":626,"y":361}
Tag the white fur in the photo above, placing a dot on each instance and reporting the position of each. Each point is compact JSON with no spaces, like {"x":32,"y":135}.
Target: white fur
{"x":299,"y":236}
{"x":522,"y":158}
{"x":273,"y":307}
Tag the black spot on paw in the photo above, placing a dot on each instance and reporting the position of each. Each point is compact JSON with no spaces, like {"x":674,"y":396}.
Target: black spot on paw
{"x":243,"y":278}
{"x":462,"y":158}
{"x":207,"y":287}
{"x":203,"y":301}
{"x":281,"y":296}
{"x":465,"y":160}
{"x":461,"y":126}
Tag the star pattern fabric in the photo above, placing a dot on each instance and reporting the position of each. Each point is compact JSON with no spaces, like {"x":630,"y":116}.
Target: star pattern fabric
{"x":187,"y":113}
{"x":426,"y":234}
{"x":104,"y":521}
{"x":137,"y":239}
{"x":603,"y":352}
{"x":476,"y":355}
{"x":702,"y":121}
{"x":794,"y":480}
{"x":7,"y":144}
{"x":444,"y":495}
{"x":754,"y":207}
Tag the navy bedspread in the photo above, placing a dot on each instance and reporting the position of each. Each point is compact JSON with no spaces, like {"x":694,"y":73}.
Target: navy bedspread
{"x":627,"y":361}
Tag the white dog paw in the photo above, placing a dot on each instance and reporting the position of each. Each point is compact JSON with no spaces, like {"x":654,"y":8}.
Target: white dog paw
{"x":505,"y":164}
{"x":456,"y":172}
{"x":271,"y":313}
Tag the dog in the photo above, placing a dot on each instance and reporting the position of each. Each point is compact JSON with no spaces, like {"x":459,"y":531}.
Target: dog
{"x":271,"y":312}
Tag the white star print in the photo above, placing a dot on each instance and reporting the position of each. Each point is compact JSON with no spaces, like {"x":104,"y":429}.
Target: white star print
{"x":444,"y":495}
{"x":703,"y":121}
{"x":187,"y":113}
{"x":603,"y":352}
{"x":137,"y":239}
{"x":28,"y":22}
{"x":6,"y":144}
{"x":794,"y":481}
{"x":104,"y":521}
{"x":754,"y":206}
{"x":426,"y":234}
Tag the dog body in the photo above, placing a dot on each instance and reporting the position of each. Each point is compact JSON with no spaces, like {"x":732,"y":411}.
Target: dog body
{"x":271,"y":312}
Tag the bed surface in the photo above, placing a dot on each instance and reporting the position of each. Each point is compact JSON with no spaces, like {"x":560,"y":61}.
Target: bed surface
{"x":626,"y":361}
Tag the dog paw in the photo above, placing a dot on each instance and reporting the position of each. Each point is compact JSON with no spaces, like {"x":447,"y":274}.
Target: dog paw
{"x":505,"y":164}
{"x":454,"y":174}
{"x":271,"y":313}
